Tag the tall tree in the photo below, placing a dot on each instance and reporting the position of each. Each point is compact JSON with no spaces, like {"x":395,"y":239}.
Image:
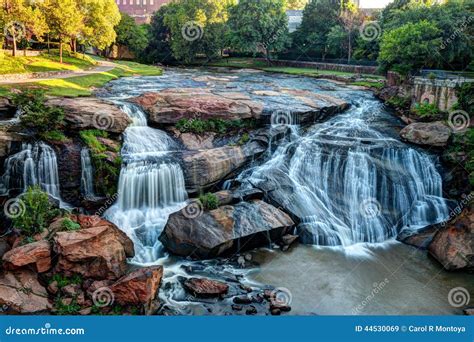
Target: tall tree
{"x":296,"y":4}
{"x":131,"y":35}
{"x":159,"y":46}
{"x":259,"y":25}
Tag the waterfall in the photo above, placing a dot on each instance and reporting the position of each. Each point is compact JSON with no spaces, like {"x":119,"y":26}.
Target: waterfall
{"x":87,"y":174}
{"x":151,"y":186}
{"x":35,"y":164}
{"x":348,"y":182}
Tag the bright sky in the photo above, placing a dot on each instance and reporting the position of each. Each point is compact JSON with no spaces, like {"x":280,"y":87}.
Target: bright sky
{"x":374,"y":3}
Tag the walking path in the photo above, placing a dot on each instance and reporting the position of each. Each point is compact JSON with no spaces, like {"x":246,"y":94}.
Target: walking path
{"x":103,"y":66}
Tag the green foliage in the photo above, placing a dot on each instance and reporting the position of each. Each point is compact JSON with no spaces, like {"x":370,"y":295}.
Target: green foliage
{"x":64,"y":281}
{"x":464,"y":142}
{"x":245,"y":138}
{"x":465,"y":95}
{"x":259,"y":25}
{"x":107,"y":172}
{"x":62,"y":309}
{"x":369,"y":84}
{"x":159,"y":46}
{"x":399,"y":102}
{"x":37,"y":212}
{"x":426,"y":110}
{"x":35,"y":114}
{"x":131,"y":35}
{"x":70,"y":225}
{"x":220,"y":126}
{"x":53,"y":136}
{"x":209,"y":201}
{"x":410,"y":47}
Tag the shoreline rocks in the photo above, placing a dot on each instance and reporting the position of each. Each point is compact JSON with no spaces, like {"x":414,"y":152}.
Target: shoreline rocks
{"x":429,"y":134}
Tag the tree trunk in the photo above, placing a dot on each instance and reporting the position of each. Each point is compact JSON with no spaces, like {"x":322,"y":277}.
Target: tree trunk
{"x":60,"y":49}
{"x":14,"y":43}
{"x":267,"y":55}
{"x":49,"y":45}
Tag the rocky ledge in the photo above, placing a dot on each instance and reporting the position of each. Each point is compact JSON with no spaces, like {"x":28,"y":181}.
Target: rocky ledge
{"x":428,"y":134}
{"x":195,"y":233}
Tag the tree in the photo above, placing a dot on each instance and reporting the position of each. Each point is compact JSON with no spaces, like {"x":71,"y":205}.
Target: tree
{"x":296,"y":4}
{"x":65,"y":21}
{"x":131,"y":35}
{"x":159,"y":48}
{"x":259,"y":25}
{"x":337,"y":41}
{"x":410,"y":47}
{"x":350,"y":20}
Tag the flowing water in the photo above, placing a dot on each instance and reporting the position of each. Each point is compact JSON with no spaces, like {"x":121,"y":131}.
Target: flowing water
{"x":349,"y":180}
{"x":87,"y":174}
{"x":35,"y":164}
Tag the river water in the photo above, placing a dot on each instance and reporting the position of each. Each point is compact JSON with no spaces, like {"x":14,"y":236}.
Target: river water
{"x":349,"y":180}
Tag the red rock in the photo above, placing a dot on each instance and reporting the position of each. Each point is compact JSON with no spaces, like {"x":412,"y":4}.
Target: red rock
{"x":201,"y":287}
{"x":36,"y":253}
{"x":138,"y":287}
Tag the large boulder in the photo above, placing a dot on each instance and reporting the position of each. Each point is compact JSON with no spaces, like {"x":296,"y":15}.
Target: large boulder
{"x":453,"y":246}
{"x":36,"y":253}
{"x":171,"y":105}
{"x":7,"y":139}
{"x":92,"y":113}
{"x":138,"y":287}
{"x":227,"y":229}
{"x":20,"y":292}
{"x":427,"y":133}
{"x":202,"y":287}
{"x":98,"y":250}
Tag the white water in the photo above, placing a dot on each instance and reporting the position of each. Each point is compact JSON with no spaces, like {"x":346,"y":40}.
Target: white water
{"x":350,"y":183}
{"x":151,"y":187}
{"x":87,"y":174}
{"x":35,"y":164}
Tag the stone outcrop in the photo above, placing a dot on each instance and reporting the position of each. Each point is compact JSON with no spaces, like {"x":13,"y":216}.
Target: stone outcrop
{"x":20,"y":292}
{"x":201,"y":287}
{"x":171,"y":105}
{"x":92,"y":113}
{"x":430,"y":134}
{"x":213,"y":233}
{"x":138,"y":287}
{"x":98,"y":250}
{"x":453,"y":246}
{"x":36,"y":253}
{"x":6,"y":141}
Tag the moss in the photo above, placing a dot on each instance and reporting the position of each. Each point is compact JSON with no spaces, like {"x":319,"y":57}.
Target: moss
{"x":245,"y":138}
{"x":70,"y":225}
{"x":220,"y":126}
{"x":64,"y":281}
{"x":55,"y":136}
{"x":209,"y":201}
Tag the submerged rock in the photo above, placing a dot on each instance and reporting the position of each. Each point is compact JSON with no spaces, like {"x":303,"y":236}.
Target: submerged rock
{"x":430,"y":133}
{"x":226,"y":229}
{"x":98,"y":250}
{"x":92,"y":113}
{"x":453,"y":246}
{"x":200,"y":287}
{"x":21,"y":292}
{"x":36,"y":253}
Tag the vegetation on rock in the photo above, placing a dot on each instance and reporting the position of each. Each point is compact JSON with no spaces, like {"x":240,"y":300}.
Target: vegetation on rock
{"x":220,"y":126}
{"x":209,"y":201}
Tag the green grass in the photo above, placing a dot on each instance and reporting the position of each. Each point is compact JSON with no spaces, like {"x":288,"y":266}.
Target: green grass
{"x":369,"y":84}
{"x":44,"y":63}
{"x":84,"y":85}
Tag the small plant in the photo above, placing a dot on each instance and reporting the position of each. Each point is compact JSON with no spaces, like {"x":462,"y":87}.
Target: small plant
{"x":244,"y":139}
{"x":426,"y":110}
{"x":53,"y":136}
{"x":37,"y":212}
{"x":209,"y":201}
{"x":66,"y":309}
{"x":70,"y":225}
{"x":431,"y":76}
{"x":36,"y":115}
{"x":220,"y":126}
{"x":399,"y":102}
{"x":63,"y":281}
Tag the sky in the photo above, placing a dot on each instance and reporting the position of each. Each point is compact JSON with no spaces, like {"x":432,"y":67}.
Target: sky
{"x":374,"y":3}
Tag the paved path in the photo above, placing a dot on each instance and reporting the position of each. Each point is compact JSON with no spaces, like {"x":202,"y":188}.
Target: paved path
{"x":102,"y":66}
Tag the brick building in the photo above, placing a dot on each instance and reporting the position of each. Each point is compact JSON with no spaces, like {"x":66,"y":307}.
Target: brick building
{"x":140,"y":10}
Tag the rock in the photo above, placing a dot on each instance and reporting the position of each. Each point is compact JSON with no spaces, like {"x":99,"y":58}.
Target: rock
{"x":171,"y":105}
{"x":98,"y":250}
{"x":275,"y":312}
{"x":36,"y":253}
{"x":289,"y":239}
{"x":468,"y":311}
{"x":237,"y":307}
{"x":453,"y":246}
{"x":71,"y":290}
{"x":22,"y":293}
{"x":214,"y":233}
{"x":224,"y":197}
{"x":420,"y":238}
{"x":138,"y":287}
{"x":92,"y":113}
{"x":4,"y":247}
{"x":252,"y":310}
{"x":7,"y":139}
{"x":242,"y":300}
{"x":201,"y":287}
{"x":197,"y":141}
{"x":427,"y":133}
{"x":85,"y":311}
{"x":53,"y":287}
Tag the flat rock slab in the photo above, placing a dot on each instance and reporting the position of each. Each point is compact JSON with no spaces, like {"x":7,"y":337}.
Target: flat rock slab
{"x":36,"y":253}
{"x":201,"y":287}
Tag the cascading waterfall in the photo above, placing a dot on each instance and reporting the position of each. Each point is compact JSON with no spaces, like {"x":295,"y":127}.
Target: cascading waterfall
{"x":350,"y":183}
{"x":35,"y":164}
{"x":151,"y":186}
{"x":87,"y":174}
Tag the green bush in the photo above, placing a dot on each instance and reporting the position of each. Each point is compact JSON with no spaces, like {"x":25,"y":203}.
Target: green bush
{"x":426,"y":110}
{"x":220,"y":126}
{"x":465,"y":95}
{"x":399,"y":102}
{"x":64,"y":281}
{"x":209,"y":201}
{"x":37,"y":212}
{"x":70,"y":225}
{"x":53,"y":136}
{"x":36,"y":115}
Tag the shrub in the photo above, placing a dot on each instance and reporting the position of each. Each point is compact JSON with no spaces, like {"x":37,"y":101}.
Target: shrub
{"x":70,"y":225}
{"x":245,"y":138}
{"x":37,"y":212}
{"x":53,"y":136}
{"x":220,"y":126}
{"x":35,"y":114}
{"x":209,"y":201}
{"x":426,"y":110}
{"x":399,"y":102}
{"x":64,"y":281}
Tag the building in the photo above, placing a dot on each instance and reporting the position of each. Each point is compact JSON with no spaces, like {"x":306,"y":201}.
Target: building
{"x":140,"y":10}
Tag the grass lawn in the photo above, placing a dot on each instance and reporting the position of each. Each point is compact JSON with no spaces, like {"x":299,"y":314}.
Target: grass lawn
{"x":84,"y":85}
{"x":261,"y":65}
{"x":43,"y":63}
